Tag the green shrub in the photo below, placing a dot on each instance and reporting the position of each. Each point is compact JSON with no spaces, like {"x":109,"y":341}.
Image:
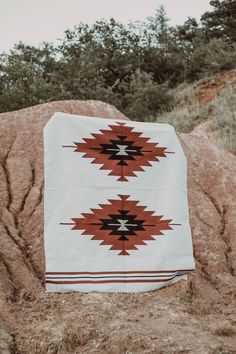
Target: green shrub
{"x":145,"y":98}
{"x":209,"y":58}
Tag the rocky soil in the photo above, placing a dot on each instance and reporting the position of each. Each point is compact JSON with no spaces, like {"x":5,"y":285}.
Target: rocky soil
{"x":210,"y":88}
{"x":194,"y":316}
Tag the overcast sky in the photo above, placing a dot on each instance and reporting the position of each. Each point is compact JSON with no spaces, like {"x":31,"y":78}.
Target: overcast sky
{"x":34,"y":21}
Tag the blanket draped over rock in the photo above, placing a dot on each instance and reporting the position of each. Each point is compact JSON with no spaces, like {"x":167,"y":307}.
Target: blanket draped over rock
{"x":116,"y":208}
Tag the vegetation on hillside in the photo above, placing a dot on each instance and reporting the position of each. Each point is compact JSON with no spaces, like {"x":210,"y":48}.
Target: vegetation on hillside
{"x":136,"y":67}
{"x":224,"y":117}
{"x":218,"y":111}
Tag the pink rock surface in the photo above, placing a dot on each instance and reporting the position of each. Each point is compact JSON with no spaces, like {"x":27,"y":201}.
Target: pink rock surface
{"x":209,"y":291}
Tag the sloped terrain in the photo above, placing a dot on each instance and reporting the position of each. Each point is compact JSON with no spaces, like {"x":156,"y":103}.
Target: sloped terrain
{"x":209,"y":106}
{"x":210,"y":88}
{"x":196,"y":316}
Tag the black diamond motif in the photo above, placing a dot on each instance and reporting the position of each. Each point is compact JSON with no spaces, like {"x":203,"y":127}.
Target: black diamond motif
{"x":122,"y":224}
{"x":121,"y":150}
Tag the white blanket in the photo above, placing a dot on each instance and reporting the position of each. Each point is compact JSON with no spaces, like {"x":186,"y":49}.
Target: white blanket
{"x":116,"y":209}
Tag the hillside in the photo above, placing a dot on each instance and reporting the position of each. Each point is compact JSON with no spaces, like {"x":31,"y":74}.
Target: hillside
{"x":196,"y":316}
{"x":207,"y":106}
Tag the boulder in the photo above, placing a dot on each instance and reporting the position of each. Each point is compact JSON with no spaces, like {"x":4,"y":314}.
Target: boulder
{"x":211,"y":287}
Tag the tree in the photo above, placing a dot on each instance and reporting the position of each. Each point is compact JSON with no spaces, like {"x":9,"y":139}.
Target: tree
{"x":158,"y":30}
{"x":221,"y":22}
{"x":189,"y":31}
{"x":210,"y":58}
{"x":27,"y":76}
{"x":108,"y":46}
{"x":145,"y":98}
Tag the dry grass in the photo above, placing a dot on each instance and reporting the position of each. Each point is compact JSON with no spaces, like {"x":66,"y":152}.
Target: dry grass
{"x":224,"y":329}
{"x":62,"y":339}
{"x":224,"y":117}
{"x":187,"y":112}
{"x":184,"y":119}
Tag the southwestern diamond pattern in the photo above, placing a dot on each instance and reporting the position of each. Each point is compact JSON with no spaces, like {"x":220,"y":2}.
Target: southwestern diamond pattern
{"x":120,"y":150}
{"x":122,"y":224}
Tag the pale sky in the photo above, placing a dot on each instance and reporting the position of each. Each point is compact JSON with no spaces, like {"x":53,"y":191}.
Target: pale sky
{"x":35,"y":21}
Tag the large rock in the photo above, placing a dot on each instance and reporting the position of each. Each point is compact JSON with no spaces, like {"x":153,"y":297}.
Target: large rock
{"x":6,"y":341}
{"x":210,"y":289}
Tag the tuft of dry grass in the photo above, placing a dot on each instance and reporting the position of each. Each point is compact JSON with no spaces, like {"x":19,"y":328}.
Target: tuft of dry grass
{"x":65,"y":339}
{"x":224,"y":329}
{"x":199,"y":309}
{"x":183,"y":119}
{"x":184,"y":94}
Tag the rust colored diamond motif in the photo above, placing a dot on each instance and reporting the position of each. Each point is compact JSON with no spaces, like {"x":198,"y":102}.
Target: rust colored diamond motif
{"x":120,"y":150}
{"x":122,"y":224}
